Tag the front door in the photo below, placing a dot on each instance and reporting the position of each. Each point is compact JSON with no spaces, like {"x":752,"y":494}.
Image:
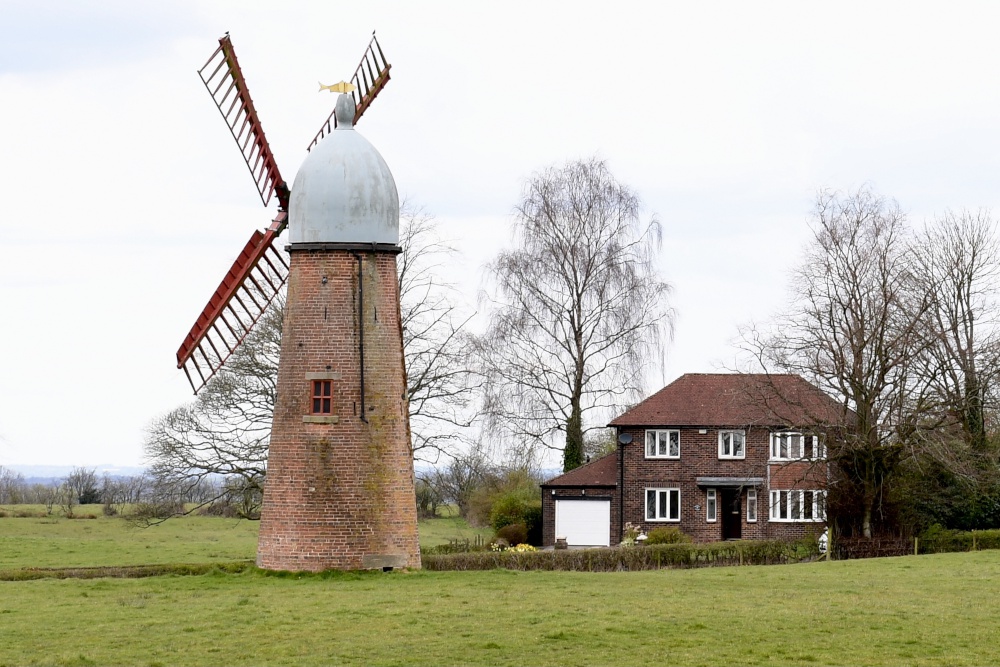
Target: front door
{"x":732,"y":514}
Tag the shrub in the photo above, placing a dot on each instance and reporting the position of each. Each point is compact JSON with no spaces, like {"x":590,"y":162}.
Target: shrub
{"x":515,"y":533}
{"x":667,"y":535}
{"x":937,"y":539}
{"x":533,"y":519}
{"x":625,"y":559}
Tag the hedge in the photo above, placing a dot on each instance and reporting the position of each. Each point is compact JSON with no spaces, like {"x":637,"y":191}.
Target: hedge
{"x":936,"y":540}
{"x":616,"y":559}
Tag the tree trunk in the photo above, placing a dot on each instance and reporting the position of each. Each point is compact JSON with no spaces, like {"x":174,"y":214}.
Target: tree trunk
{"x":573,"y":453}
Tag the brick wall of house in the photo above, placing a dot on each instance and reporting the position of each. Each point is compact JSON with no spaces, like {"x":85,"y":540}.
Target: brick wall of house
{"x":340,"y":494}
{"x":699,"y":458}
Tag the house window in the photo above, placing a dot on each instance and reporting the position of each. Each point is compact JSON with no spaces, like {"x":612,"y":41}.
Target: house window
{"x":732,"y":445}
{"x":663,"y":444}
{"x":663,"y":504}
{"x":798,"y":505}
{"x":322,"y":397}
{"x":751,"y":505}
{"x":788,"y":446}
{"x":710,"y":513}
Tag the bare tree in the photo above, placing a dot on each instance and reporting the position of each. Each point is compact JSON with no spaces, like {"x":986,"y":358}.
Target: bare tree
{"x":578,"y":310}
{"x":439,"y":382}
{"x":960,"y":263}
{"x":12,"y":487}
{"x":854,"y":328}
{"x":226,"y":430}
{"x":82,"y":484}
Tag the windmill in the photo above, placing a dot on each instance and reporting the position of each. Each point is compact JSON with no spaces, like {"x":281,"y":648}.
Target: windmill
{"x":340,"y":488}
{"x":260,"y":270}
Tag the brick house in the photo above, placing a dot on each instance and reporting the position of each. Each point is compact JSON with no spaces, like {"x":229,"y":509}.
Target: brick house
{"x":720,"y":456}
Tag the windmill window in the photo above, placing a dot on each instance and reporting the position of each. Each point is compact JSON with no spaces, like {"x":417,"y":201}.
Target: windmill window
{"x":322,"y":397}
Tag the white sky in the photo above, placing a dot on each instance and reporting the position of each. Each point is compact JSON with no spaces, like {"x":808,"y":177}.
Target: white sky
{"x":125,"y":198}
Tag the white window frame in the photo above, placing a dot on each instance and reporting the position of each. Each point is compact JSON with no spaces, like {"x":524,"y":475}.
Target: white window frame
{"x":776,"y":442}
{"x":711,"y":506}
{"x":656,"y":442}
{"x":797,"y":505}
{"x":733,"y":455}
{"x":664,"y":505}
{"x":752,"y":503}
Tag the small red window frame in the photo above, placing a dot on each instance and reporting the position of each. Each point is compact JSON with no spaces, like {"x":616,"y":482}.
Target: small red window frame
{"x":322,"y":397}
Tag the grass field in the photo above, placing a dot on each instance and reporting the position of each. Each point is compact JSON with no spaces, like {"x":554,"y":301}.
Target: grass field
{"x":926,"y":610}
{"x":59,"y":542}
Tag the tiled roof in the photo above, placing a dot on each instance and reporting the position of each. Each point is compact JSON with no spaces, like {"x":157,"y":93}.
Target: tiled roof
{"x":602,"y":472}
{"x":732,"y":399}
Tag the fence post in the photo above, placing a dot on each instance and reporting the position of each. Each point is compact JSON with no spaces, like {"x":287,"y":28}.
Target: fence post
{"x":916,"y":545}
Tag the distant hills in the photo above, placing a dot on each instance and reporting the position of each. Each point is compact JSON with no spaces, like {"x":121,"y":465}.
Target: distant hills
{"x":34,"y":473}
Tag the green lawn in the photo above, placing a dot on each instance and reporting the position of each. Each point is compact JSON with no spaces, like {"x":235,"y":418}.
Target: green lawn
{"x":59,"y":542}
{"x":926,"y":610}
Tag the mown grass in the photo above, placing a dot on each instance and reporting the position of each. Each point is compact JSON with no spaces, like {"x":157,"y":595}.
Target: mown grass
{"x":925,"y":610}
{"x":60,"y":542}
{"x":55,"y":541}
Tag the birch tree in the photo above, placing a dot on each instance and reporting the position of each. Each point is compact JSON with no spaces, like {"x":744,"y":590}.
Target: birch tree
{"x":578,"y":310}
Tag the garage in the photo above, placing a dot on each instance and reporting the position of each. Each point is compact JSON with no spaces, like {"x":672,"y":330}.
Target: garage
{"x":584,"y":522}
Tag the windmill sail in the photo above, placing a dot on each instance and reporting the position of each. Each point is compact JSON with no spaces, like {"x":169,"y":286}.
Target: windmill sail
{"x":245,"y":293}
{"x":369,"y":80}
{"x":225,"y":83}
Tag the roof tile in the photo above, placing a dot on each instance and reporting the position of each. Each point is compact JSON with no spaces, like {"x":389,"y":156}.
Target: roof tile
{"x":732,"y":399}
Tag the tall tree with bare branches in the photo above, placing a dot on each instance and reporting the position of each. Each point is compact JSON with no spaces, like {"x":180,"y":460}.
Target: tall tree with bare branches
{"x":855,"y":329}
{"x":578,"y":310}
{"x":960,"y":263}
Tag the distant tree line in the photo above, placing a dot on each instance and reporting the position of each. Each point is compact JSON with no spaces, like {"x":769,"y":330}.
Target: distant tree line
{"x":134,"y":496}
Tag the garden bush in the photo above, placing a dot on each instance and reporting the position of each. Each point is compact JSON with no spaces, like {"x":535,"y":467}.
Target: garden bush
{"x":515,"y":533}
{"x":667,"y":535}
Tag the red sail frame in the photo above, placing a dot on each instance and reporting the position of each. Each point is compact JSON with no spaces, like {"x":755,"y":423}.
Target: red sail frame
{"x":241,"y":118}
{"x":247,"y":290}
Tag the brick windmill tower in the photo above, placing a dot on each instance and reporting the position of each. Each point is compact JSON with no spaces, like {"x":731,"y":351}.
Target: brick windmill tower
{"x":339,"y":492}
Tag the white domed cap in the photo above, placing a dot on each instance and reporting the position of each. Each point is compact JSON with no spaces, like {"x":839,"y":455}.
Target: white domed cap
{"x":344,"y":191}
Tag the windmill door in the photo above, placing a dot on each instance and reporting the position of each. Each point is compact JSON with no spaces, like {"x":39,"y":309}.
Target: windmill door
{"x":732,"y":514}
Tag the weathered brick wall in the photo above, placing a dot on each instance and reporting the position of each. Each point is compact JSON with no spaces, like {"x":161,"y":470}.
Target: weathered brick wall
{"x":340,"y":495}
{"x":700,"y":458}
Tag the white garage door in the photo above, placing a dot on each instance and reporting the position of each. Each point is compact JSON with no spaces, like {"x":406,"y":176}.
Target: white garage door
{"x":584,"y":522}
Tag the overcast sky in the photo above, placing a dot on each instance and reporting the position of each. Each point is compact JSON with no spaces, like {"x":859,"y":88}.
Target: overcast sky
{"x":125,"y":198}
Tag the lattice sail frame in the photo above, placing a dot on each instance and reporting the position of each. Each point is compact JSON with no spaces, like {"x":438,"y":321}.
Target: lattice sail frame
{"x":237,"y":109}
{"x":260,"y":271}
